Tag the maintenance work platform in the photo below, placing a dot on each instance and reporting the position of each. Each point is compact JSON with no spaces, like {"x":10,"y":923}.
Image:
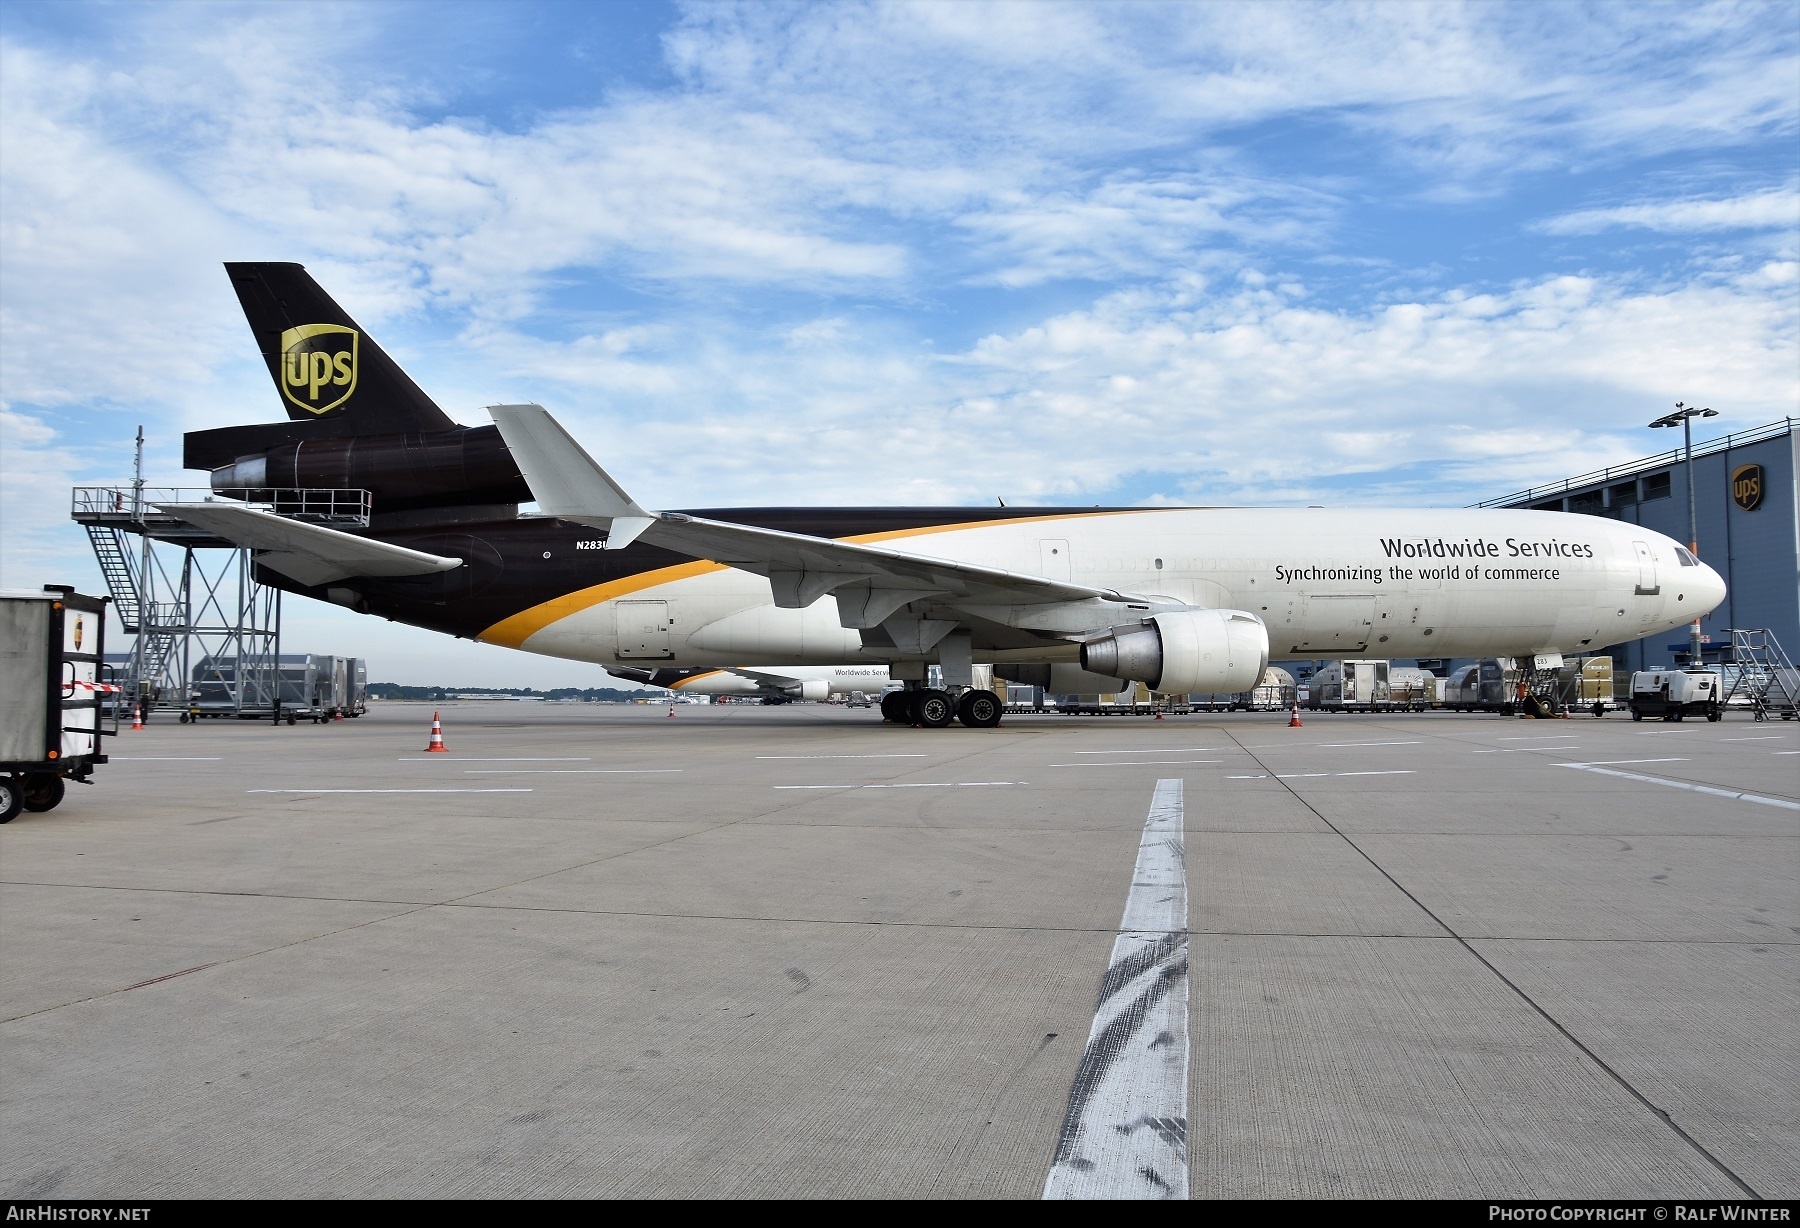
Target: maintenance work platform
{"x":596,"y":950}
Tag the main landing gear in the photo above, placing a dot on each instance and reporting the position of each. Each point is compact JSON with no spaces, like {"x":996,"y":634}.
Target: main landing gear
{"x":935,"y":709}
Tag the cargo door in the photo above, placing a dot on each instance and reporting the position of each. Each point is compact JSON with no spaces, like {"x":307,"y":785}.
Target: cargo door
{"x":1338,"y":622}
{"x":1053,"y":557}
{"x":1646,"y":563}
{"x":643,"y":630}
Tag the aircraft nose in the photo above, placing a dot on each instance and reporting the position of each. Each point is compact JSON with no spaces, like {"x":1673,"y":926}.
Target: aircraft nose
{"x":1708,"y":590}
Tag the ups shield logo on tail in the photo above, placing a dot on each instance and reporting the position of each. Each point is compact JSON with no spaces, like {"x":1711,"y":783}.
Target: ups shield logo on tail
{"x":318,"y":366}
{"x":1747,"y":487}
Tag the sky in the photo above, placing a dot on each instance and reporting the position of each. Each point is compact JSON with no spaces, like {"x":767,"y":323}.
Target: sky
{"x":1403,"y":254}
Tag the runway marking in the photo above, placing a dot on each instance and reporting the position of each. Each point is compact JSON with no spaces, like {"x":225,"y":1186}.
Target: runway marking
{"x":1154,"y":750}
{"x":1124,"y":1135}
{"x":1369,"y":743}
{"x":568,"y":771}
{"x":167,"y":759}
{"x":912,"y":756}
{"x":1688,"y":785}
{"x":1644,"y":733}
{"x":387,"y":790}
{"x":1597,"y":762}
{"x":521,"y":759}
{"x":1787,"y":752}
{"x":948,"y":784}
{"x":1765,"y":737}
{"x":1309,"y":775}
{"x":1136,"y":762}
{"x":1539,"y":737}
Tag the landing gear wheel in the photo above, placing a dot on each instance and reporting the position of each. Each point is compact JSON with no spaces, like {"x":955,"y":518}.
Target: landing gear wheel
{"x":933,"y":709}
{"x":979,"y":709}
{"x":42,"y":792}
{"x":895,"y":707}
{"x":10,"y":800}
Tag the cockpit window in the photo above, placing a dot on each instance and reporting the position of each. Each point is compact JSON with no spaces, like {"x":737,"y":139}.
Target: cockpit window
{"x":1687,"y":560}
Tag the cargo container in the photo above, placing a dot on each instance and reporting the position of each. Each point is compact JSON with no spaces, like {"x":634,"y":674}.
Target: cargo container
{"x":54,"y":693}
{"x":1350,"y":686}
{"x":305,"y":686}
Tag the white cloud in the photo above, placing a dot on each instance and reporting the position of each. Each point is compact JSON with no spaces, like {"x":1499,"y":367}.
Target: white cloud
{"x":1771,"y":209}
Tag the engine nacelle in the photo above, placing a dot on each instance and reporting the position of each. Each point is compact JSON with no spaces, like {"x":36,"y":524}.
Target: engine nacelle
{"x":815,"y":689}
{"x":1186,"y":651}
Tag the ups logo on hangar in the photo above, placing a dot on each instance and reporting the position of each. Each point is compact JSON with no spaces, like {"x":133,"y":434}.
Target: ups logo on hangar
{"x":318,"y":366}
{"x":1747,"y":486}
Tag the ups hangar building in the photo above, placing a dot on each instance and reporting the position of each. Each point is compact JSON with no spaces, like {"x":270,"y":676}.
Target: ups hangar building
{"x":1748,"y":522}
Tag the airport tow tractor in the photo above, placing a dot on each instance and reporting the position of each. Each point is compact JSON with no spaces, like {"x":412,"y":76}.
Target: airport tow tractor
{"x":1672,"y":694}
{"x":51,"y":646}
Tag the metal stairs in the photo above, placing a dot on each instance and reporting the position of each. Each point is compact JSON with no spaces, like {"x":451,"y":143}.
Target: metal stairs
{"x":1762,"y":674}
{"x":115,"y":568}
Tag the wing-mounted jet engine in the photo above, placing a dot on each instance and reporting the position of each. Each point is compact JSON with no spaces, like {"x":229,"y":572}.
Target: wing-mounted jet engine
{"x":1183,"y":651}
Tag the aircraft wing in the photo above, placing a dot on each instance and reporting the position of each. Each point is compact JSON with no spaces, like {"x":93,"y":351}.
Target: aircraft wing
{"x":871,"y":582}
{"x":309,"y":553}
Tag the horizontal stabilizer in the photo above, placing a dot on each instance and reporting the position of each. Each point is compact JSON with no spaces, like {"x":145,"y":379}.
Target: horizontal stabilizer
{"x":309,"y":553}
{"x":564,"y":479}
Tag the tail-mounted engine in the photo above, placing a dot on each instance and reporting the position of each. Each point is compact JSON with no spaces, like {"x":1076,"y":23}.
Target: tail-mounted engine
{"x":1187,"y":651}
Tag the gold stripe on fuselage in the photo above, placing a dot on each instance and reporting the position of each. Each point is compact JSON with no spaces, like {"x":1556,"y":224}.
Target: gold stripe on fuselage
{"x":515,"y":629}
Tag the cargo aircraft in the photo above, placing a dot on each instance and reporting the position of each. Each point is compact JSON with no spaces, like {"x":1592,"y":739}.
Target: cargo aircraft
{"x":1183,"y":599}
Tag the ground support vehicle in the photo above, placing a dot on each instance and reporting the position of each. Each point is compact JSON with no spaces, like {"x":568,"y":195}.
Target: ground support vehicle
{"x":1672,"y":694}
{"x":54,"y":690}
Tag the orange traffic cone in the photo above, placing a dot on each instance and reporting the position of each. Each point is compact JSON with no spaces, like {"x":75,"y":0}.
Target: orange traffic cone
{"x":1159,"y":714}
{"x":671,"y":709}
{"x":437,"y":737}
{"x":137,"y":716}
{"x":1294,"y":717}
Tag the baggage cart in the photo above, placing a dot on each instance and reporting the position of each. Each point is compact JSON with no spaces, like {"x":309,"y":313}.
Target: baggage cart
{"x":55,"y":695}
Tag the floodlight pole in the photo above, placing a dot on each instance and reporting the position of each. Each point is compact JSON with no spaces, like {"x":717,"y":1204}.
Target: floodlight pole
{"x":1685,"y":415}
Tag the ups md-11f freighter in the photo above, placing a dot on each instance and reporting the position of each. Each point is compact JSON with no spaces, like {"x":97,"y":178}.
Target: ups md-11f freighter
{"x":1189,"y":599}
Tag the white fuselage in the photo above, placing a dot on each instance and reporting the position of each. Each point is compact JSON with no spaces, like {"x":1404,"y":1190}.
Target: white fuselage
{"x":1402,"y":583}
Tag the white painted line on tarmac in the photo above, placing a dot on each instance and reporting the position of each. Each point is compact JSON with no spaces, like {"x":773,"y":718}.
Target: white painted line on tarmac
{"x":387,"y":790}
{"x":1539,"y":737}
{"x":568,"y":771}
{"x":1153,"y":750}
{"x":1370,"y":743}
{"x":167,"y":758}
{"x":949,"y":784}
{"x":1689,"y":786}
{"x":1598,"y":762}
{"x":1787,"y":752}
{"x":1644,"y":733}
{"x":1137,"y":762}
{"x":520,"y":759}
{"x":1311,"y":775}
{"x":1765,"y":737}
{"x":914,"y":756}
{"x":1124,"y":1135}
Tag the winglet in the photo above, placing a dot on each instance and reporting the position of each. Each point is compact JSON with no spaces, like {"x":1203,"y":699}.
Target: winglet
{"x":564,"y":478}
